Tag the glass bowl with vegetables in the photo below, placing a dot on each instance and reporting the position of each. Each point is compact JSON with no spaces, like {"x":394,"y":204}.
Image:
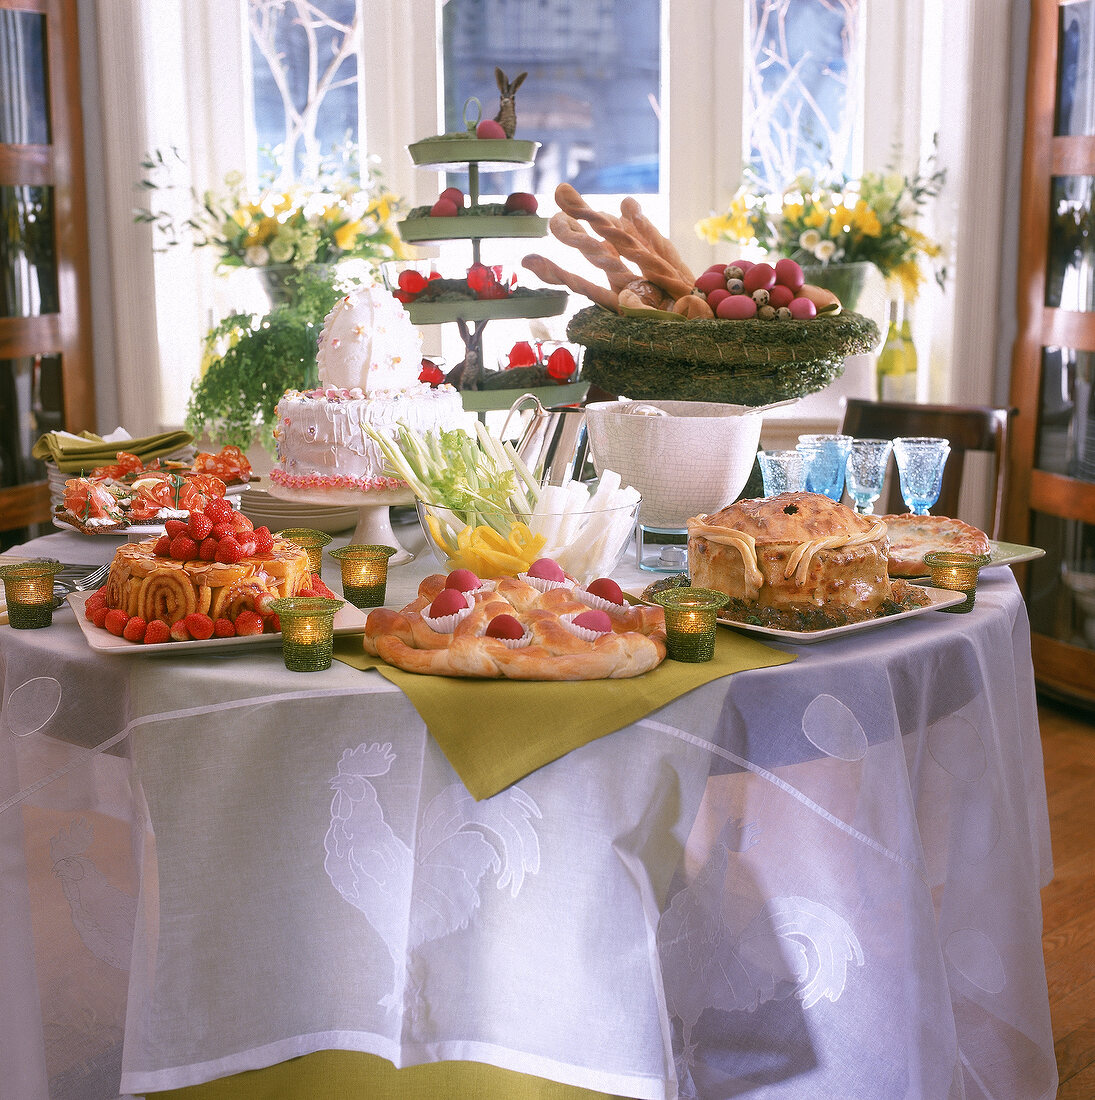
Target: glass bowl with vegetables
{"x":482,"y":509}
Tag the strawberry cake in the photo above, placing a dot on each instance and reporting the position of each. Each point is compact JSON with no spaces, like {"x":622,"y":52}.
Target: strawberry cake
{"x":210,"y":568}
{"x":369,"y":360}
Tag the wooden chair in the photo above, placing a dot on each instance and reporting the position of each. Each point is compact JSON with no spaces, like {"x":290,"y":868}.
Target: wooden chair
{"x":968,"y":427}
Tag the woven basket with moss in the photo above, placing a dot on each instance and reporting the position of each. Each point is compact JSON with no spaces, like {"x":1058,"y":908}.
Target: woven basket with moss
{"x":750,"y":362}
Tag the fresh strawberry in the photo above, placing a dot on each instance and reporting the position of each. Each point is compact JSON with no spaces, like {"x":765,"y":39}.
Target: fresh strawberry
{"x":240,"y":522}
{"x":199,"y":526}
{"x":135,"y":629}
{"x":222,"y":531}
{"x":224,"y":628}
{"x":272,"y":622}
{"x":264,"y":541}
{"x":179,"y":631}
{"x":247,"y":546}
{"x":218,"y":510}
{"x":157,"y":632}
{"x":115,"y":621}
{"x":228,"y":551}
{"x":175,"y":527}
{"x":199,"y":626}
{"x":184,"y":548}
{"x":98,"y":616}
{"x":208,"y":549}
{"x":162,"y":549}
{"x":94,"y":602}
{"x":248,"y":623}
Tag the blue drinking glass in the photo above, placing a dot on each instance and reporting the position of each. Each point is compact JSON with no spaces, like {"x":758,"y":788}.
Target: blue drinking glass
{"x":920,"y":463}
{"x":826,"y":458}
{"x":866,"y":473}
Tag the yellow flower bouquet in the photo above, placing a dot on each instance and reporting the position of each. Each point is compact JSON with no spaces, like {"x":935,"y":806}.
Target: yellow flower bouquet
{"x":337,"y":218}
{"x":841,"y":222}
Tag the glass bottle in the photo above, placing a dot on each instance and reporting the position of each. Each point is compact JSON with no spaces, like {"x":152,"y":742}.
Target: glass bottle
{"x":897,"y":361}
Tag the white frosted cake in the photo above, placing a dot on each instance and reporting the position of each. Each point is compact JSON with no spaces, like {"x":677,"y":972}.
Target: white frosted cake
{"x":369,"y":359}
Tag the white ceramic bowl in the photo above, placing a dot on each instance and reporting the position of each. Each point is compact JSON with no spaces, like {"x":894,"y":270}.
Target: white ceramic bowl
{"x":684,"y":457}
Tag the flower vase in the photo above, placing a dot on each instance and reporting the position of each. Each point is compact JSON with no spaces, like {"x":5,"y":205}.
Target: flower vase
{"x":851,"y":283}
{"x":280,"y":282}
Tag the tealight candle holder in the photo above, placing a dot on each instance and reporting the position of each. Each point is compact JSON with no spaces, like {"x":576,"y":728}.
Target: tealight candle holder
{"x":28,"y":592}
{"x":690,"y":622}
{"x":364,"y":572}
{"x":307,"y":631}
{"x":312,"y":542}
{"x":956,"y":572}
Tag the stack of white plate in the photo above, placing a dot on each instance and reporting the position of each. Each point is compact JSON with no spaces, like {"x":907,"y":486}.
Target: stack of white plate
{"x":263,"y":509}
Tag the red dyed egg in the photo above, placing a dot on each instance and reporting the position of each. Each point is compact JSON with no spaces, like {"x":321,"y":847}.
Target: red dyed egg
{"x":789,"y":274}
{"x":504,"y":626}
{"x":607,"y":589}
{"x":780,"y":295}
{"x":463,"y":580}
{"x":448,"y":602}
{"x":716,"y":296}
{"x":546,"y":569}
{"x":593,"y":620}
{"x":759,"y":277}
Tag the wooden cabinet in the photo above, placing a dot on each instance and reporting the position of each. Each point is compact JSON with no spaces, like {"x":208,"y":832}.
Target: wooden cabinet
{"x":1052,"y":501}
{"x":45,"y":313}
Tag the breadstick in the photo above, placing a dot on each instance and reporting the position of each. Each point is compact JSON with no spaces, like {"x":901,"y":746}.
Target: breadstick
{"x":626,"y":242}
{"x":600,"y":253}
{"x":551,"y":272}
{"x":633,"y":214}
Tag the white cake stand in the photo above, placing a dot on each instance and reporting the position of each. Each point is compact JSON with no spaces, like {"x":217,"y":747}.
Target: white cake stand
{"x":374,"y":522}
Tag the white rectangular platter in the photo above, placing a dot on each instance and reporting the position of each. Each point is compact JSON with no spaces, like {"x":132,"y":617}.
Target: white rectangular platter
{"x":348,"y":620}
{"x":939,"y":598}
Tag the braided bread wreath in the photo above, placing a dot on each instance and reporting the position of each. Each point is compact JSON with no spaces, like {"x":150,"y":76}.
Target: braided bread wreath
{"x":538,"y":630}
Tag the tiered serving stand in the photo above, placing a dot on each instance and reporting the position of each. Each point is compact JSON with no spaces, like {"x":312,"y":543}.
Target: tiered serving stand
{"x":449,"y":152}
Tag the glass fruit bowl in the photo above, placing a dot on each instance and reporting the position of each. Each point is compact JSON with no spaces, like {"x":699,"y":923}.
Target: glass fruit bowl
{"x":585,"y":543}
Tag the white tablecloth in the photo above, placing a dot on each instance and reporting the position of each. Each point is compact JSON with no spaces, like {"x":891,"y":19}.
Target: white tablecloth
{"x":817,"y":879}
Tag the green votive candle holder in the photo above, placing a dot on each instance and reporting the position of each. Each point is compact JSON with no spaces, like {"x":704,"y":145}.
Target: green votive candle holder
{"x":28,"y":592}
{"x":956,"y":572}
{"x":307,"y":631}
{"x":364,"y":572}
{"x":312,"y":542}
{"x":690,"y":622}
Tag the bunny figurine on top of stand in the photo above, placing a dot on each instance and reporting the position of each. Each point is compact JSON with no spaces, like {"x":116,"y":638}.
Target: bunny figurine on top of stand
{"x":507,"y":110}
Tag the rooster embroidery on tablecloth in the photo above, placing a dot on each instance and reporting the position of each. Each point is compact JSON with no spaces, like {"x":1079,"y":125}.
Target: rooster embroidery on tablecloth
{"x":458,"y":840}
{"x":102,"y":914}
{"x":792,"y":945}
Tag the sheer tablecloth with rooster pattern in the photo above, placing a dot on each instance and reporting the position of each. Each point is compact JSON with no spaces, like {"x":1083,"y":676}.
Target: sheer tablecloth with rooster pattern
{"x":816,"y":879}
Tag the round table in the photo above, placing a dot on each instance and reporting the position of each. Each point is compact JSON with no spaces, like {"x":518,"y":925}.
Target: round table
{"x":814,"y":879}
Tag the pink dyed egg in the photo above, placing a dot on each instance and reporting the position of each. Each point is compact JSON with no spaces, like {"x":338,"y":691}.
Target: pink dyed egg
{"x":593,"y":620}
{"x":737,"y":307}
{"x":546,"y":569}
{"x":802,"y":309}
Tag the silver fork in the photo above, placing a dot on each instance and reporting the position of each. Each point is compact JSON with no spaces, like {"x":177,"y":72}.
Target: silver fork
{"x":62,"y":586}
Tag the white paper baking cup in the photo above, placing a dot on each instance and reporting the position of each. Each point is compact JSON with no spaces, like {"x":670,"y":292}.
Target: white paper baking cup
{"x":580,"y":631}
{"x":543,"y":585}
{"x":446,"y":624}
{"x":599,"y":602}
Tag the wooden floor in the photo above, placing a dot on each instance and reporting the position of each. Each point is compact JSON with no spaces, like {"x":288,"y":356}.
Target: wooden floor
{"x":1068,"y":903}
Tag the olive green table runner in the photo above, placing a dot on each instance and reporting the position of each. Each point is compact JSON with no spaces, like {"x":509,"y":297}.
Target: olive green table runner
{"x":495,"y":732}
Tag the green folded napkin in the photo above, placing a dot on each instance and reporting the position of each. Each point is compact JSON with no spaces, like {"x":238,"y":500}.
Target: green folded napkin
{"x":495,"y":732}
{"x":75,"y":456}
